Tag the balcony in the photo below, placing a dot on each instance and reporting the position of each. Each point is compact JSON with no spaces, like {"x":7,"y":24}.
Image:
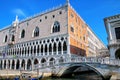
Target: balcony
{"x":115,"y":42}
{"x":33,"y":54}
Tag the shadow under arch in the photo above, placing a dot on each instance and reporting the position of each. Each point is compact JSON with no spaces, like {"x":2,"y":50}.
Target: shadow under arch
{"x":117,"y":54}
{"x":72,"y":67}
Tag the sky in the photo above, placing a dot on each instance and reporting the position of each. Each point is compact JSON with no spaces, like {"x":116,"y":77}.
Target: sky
{"x":92,"y":11}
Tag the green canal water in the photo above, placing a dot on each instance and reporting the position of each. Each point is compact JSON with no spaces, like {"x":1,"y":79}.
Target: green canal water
{"x":79,"y":76}
{"x":73,"y":76}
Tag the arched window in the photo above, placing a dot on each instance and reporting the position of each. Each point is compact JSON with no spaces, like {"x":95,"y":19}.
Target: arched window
{"x":36,"y":32}
{"x":64,"y":46}
{"x":50,"y":48}
{"x":34,"y":50}
{"x":59,"y":46}
{"x":5,"y":38}
{"x":41,"y":48}
{"x":23,"y":33}
{"x":38,"y":49}
{"x":46,"y":48}
{"x":54,"y":47}
{"x":56,"y":27}
{"x":13,"y":38}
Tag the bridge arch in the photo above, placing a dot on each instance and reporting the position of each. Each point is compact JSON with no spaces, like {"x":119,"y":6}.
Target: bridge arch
{"x":117,"y":54}
{"x":71,"y":68}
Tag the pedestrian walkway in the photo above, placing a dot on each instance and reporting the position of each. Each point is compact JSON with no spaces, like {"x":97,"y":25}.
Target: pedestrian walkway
{"x":7,"y":72}
{"x":13,"y":73}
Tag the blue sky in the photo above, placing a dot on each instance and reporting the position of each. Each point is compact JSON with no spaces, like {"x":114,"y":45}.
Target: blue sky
{"x":92,"y":11}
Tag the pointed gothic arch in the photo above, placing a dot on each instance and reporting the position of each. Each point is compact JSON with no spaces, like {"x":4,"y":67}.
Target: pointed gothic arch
{"x":56,"y":27}
{"x":42,"y":48}
{"x":45,"y":48}
{"x":23,"y":33}
{"x":36,"y":61}
{"x":13,"y":38}
{"x":59,"y":46}
{"x":29,"y":64}
{"x":17,"y":64}
{"x":54,"y":47}
{"x":43,"y":60}
{"x":5,"y":64}
{"x":13,"y":64}
{"x":64,"y":46}
{"x":23,"y":64}
{"x":37,"y":49}
{"x":5,"y":40}
{"x":51,"y":61}
{"x":36,"y":32}
{"x":8,"y":64}
{"x":61,"y":60}
{"x":34,"y":50}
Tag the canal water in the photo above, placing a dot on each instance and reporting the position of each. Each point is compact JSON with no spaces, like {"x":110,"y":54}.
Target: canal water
{"x":79,"y":76}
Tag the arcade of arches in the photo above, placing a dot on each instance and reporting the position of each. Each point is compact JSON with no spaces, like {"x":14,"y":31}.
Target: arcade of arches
{"x":27,"y":64}
{"x":26,"y":55}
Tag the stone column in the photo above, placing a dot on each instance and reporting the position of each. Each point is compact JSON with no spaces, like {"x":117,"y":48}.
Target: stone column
{"x":39,"y":50}
{"x":110,"y":33}
{"x":26,"y":51}
{"x":21,"y":52}
{"x":68,"y":45}
{"x":47,"y":62}
{"x":36,"y":50}
{"x":3,"y":64}
{"x":20,"y":64}
{"x":47,"y":49}
{"x":10,"y":64}
{"x":52,"y":48}
{"x":43,"y":49}
{"x":15,"y":66}
{"x":25,"y":65}
{"x":6,"y":64}
{"x":29,"y":51}
{"x":62,"y":48}
{"x":112,"y":53}
{"x":56,"y":48}
{"x":32,"y":64}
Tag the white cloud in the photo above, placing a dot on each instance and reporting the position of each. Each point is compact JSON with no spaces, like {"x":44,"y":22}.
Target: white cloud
{"x":19,"y":12}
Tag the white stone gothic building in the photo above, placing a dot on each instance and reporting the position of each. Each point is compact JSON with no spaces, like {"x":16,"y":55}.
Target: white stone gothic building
{"x":55,"y":34}
{"x":112,"y":25}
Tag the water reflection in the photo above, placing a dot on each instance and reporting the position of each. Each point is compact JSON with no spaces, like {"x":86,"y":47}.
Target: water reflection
{"x":79,"y":76}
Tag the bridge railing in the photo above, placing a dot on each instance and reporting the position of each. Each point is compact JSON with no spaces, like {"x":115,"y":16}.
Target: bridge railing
{"x":80,"y":60}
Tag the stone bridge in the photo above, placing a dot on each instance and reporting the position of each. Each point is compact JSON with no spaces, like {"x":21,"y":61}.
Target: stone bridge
{"x":104,"y":67}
